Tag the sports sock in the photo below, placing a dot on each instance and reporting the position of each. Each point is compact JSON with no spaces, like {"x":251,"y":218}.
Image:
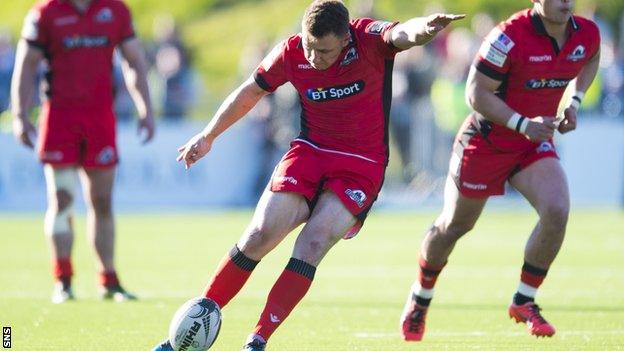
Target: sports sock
{"x":286,"y":293}
{"x":530,"y":279}
{"x":63,"y":271}
{"x":422,"y":289}
{"x":109,"y":279}
{"x":232,"y":273}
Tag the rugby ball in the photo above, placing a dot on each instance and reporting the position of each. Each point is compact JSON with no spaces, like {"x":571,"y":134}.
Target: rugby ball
{"x":195,"y":325}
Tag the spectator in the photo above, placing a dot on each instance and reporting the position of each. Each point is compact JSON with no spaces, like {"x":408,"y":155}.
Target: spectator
{"x":7,"y":60}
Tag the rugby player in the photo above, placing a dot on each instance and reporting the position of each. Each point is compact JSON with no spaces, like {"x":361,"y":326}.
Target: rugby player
{"x":334,"y":169}
{"x":514,"y":87}
{"x":76,"y":39}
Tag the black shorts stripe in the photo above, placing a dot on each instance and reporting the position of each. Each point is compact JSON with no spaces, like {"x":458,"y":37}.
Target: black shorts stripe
{"x":460,"y":145}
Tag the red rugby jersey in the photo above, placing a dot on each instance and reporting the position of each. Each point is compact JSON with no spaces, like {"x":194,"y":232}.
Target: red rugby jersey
{"x":534,"y":71}
{"x":345,"y":107}
{"x":79,"y":49}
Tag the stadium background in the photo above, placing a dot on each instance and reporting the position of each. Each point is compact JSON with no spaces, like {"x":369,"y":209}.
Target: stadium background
{"x":171,"y":219}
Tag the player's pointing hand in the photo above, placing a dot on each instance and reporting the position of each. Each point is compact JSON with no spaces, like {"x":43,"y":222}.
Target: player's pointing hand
{"x":196,"y":148}
{"x":439,"y":21}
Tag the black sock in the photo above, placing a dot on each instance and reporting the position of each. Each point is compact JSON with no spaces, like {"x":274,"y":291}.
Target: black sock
{"x":520,"y":299}
{"x":420,"y":301}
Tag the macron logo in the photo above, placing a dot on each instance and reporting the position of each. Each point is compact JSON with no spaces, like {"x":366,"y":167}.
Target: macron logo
{"x":284,"y":179}
{"x":274,"y":318}
{"x":542,"y":58}
{"x":474,"y":186}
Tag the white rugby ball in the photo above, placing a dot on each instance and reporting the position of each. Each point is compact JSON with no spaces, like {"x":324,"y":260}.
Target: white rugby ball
{"x":195,"y":325}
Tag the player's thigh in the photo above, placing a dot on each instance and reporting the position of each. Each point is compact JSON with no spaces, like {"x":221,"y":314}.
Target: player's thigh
{"x":277,"y":214}
{"x":60,"y":185}
{"x":329,"y":221}
{"x":460,"y":213}
{"x":544,"y":184}
{"x":98,"y":185}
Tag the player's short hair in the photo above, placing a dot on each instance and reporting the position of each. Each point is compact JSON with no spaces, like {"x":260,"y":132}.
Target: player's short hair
{"x":325,"y":17}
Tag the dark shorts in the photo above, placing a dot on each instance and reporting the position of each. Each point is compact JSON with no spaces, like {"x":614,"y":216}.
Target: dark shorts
{"x":77,"y":137}
{"x":480,"y":169}
{"x":309,"y":170}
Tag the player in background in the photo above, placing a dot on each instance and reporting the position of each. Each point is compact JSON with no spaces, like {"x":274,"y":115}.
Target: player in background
{"x":334,"y":170}
{"x":76,"y":39}
{"x":515,"y":86}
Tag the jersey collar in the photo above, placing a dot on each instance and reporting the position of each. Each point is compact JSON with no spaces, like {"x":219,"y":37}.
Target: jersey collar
{"x":539,"y":27}
{"x":73,"y":6}
{"x":538,"y":24}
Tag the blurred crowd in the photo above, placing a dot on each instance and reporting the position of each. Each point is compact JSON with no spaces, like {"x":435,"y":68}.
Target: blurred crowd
{"x":176,"y":86}
{"x":428,"y":93}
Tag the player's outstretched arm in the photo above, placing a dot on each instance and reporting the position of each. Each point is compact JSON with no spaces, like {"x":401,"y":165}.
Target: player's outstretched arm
{"x":480,"y":95}
{"x":23,"y":88}
{"x":134,"y":68}
{"x":420,"y":30}
{"x":581,"y":84}
{"x":233,"y":108}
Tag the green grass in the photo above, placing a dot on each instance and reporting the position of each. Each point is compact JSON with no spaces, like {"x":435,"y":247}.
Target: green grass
{"x":354,"y":303}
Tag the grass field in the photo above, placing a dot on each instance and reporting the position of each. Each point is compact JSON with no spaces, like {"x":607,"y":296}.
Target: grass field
{"x":357,"y":296}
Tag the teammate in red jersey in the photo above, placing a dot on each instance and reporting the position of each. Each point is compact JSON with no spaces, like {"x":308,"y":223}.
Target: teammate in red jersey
{"x":514,"y":87}
{"x":77,"y":38}
{"x":334,"y":170}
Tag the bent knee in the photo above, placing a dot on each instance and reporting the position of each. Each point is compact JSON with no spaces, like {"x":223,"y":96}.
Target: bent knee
{"x":454,"y":229}
{"x":555,"y":217}
{"x":312,"y":251}
{"x":257,"y":239}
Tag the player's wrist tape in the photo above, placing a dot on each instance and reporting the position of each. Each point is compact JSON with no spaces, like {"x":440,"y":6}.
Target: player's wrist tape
{"x":518,"y":123}
{"x":576,"y":99}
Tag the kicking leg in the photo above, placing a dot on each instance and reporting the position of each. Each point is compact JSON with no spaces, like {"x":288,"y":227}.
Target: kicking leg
{"x":327,"y":225}
{"x":277,"y":214}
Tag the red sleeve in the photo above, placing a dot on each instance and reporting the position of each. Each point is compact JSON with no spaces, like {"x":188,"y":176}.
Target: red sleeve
{"x":126,"y":28}
{"x":35,"y":31}
{"x":271,"y":73}
{"x":376,"y":35}
{"x":495,"y":57}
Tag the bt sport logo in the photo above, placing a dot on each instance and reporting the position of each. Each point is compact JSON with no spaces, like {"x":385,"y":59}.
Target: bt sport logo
{"x":334,"y":93}
{"x":85,"y":41}
{"x":552,"y":83}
